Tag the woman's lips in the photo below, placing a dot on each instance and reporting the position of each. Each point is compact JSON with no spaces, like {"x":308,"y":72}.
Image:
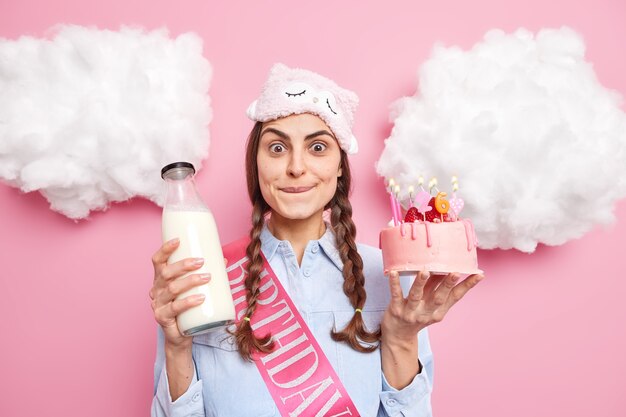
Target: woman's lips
{"x":295,"y":190}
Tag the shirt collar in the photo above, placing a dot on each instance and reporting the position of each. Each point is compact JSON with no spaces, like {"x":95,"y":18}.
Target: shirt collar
{"x":329,"y":246}
{"x":269,"y":244}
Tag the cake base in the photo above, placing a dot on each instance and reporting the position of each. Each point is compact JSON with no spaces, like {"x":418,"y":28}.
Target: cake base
{"x":439,"y":248}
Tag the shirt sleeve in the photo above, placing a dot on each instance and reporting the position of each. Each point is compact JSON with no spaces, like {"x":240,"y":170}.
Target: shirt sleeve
{"x":191,"y":403}
{"x":414,"y":399}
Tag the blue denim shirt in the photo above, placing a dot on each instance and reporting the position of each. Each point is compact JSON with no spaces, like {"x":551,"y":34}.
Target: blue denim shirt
{"x":225,"y":385}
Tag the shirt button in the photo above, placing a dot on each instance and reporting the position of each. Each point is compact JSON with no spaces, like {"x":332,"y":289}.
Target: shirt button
{"x":315,"y":248}
{"x":195,"y":397}
{"x":391,"y":402}
{"x":307,"y":273}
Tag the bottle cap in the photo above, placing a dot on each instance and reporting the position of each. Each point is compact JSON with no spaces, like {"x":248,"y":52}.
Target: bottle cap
{"x":176,"y":165}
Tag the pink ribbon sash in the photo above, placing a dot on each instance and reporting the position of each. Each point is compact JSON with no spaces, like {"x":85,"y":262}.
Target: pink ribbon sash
{"x":297,"y":373}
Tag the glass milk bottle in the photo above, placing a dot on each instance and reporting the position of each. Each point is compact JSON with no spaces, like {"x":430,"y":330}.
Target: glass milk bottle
{"x":186,"y":217}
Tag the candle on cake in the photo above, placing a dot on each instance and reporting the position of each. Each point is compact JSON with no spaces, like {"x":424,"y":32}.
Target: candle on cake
{"x":456,"y":203}
{"x":396,"y":191}
{"x":391,"y":185}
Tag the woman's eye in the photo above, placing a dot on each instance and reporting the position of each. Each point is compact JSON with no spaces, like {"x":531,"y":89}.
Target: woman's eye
{"x":318,"y":147}
{"x":277,"y":148}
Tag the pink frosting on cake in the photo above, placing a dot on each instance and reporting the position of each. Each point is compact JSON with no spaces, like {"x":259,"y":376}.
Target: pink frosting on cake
{"x":435,"y":247}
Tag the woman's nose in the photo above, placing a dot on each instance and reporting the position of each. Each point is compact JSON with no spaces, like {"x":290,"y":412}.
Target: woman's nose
{"x":296,"y":165}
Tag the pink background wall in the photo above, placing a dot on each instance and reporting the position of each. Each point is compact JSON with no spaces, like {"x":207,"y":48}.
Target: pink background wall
{"x":542,"y":336}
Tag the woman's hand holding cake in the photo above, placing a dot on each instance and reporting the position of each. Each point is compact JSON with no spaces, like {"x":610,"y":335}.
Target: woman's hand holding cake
{"x":428,"y":301}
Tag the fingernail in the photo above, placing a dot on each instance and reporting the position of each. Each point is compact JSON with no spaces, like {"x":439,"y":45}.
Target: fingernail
{"x":199,"y":297}
{"x":454,"y":278}
{"x":198,"y":261}
{"x":174,"y":241}
{"x":205,"y":277}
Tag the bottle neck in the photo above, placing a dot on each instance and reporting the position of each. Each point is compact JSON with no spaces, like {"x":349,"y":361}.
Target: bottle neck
{"x":182,"y":193}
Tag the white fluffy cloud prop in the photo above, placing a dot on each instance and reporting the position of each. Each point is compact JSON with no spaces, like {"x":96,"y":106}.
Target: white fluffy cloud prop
{"x":538,"y":144}
{"x":91,"y":116}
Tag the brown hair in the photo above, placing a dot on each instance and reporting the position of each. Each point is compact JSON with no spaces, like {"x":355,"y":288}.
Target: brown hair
{"x":345,"y":231}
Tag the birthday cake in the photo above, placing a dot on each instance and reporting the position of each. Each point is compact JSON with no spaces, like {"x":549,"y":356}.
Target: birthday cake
{"x":431,"y":237}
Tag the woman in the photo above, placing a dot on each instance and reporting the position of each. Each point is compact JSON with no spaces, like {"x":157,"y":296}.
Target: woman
{"x":375,"y":339}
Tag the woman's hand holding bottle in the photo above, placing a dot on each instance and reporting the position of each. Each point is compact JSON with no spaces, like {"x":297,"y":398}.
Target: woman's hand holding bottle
{"x":167,"y":287}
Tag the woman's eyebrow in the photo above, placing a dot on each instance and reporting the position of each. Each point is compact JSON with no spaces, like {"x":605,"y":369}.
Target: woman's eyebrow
{"x":276,"y":132}
{"x":285,"y":136}
{"x":318,"y":133}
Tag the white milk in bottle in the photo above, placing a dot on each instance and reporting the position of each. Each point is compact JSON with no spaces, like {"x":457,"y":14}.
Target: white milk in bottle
{"x":186,"y":217}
